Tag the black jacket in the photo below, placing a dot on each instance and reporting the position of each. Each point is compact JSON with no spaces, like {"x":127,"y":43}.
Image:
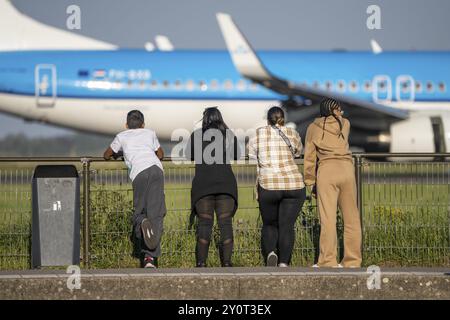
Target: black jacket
{"x":213,"y":175}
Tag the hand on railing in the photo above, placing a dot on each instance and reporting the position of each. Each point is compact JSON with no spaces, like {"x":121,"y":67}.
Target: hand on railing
{"x":118,"y":155}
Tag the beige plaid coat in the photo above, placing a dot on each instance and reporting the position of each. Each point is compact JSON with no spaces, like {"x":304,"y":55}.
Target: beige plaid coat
{"x":277,"y":169}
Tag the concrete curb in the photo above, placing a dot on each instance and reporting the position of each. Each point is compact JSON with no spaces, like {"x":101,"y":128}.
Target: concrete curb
{"x":225,"y":284}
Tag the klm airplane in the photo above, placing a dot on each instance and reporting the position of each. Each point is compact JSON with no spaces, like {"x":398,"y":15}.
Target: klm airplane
{"x":397,"y":101}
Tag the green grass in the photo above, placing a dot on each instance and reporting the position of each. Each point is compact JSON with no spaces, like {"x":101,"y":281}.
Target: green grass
{"x":405,"y":224}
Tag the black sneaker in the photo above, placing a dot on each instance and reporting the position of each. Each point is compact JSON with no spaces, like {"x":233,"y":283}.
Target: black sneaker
{"x":272,"y":259}
{"x":148,"y":234}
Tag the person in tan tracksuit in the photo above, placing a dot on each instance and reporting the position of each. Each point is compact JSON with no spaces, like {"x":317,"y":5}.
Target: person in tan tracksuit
{"x":328,"y":167}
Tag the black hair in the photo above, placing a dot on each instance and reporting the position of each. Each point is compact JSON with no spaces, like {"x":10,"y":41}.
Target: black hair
{"x":135,"y":119}
{"x":327,"y":106}
{"x":212,"y":119}
{"x":275,"y":116}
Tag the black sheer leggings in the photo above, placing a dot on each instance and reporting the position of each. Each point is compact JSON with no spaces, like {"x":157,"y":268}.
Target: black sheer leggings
{"x":279,"y":211}
{"x":223,"y":205}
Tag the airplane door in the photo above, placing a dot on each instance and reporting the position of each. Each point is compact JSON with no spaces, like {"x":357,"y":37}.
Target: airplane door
{"x":45,"y":85}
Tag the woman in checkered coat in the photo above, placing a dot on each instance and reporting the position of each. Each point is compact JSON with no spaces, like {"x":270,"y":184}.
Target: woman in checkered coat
{"x":281,"y":191}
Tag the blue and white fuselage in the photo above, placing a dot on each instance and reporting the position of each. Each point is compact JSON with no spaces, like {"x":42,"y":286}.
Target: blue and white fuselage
{"x":92,"y":90}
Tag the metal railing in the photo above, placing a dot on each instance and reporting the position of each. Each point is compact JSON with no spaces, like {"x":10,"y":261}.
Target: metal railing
{"x":404,"y":207}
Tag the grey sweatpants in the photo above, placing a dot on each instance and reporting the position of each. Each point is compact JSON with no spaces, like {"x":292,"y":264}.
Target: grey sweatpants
{"x":149,"y":202}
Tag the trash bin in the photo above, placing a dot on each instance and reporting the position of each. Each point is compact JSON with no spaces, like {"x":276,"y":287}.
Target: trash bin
{"x":55,"y":216}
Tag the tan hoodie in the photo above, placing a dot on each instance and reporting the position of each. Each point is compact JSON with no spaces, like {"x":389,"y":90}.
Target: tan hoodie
{"x":323,"y":145}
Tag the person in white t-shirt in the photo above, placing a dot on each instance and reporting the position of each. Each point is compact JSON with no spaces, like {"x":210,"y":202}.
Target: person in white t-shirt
{"x":142,"y":154}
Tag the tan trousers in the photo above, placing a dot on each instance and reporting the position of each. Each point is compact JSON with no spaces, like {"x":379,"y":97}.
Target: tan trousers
{"x":336,"y":186}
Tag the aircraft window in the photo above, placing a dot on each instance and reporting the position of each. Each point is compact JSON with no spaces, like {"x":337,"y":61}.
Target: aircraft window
{"x":214,"y":84}
{"x":241,"y":85}
{"x":430,"y":86}
{"x":203,"y":86}
{"x":228,"y":84}
{"x":329,"y":85}
{"x":367,"y":86}
{"x":190,"y":85}
{"x":316,"y":84}
{"x":254,"y":86}
{"x":418,"y":86}
{"x":442,"y":87}
{"x":354,"y":86}
{"x":341,"y":85}
{"x":129,"y":83}
{"x":154,"y":84}
{"x":177,"y":84}
{"x":142,"y":84}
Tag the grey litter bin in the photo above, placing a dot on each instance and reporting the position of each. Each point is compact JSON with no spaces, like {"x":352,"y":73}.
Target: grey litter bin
{"x":56,"y":216}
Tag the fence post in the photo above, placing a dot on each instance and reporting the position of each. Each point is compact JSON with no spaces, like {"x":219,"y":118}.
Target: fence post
{"x":86,"y":209}
{"x":359,"y":191}
{"x":358,"y":174}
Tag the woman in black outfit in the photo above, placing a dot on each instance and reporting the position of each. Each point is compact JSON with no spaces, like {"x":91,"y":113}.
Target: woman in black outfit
{"x":214,"y":187}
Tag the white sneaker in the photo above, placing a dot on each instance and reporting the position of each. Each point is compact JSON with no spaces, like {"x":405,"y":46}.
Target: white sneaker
{"x":317,"y":266}
{"x":149,"y":263}
{"x":283,"y":265}
{"x":272,"y":259}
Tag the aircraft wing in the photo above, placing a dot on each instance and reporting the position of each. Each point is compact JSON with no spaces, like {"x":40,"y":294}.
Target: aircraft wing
{"x":365,"y":114}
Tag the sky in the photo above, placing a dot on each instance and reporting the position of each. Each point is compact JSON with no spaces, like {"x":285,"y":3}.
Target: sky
{"x":281,"y":24}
